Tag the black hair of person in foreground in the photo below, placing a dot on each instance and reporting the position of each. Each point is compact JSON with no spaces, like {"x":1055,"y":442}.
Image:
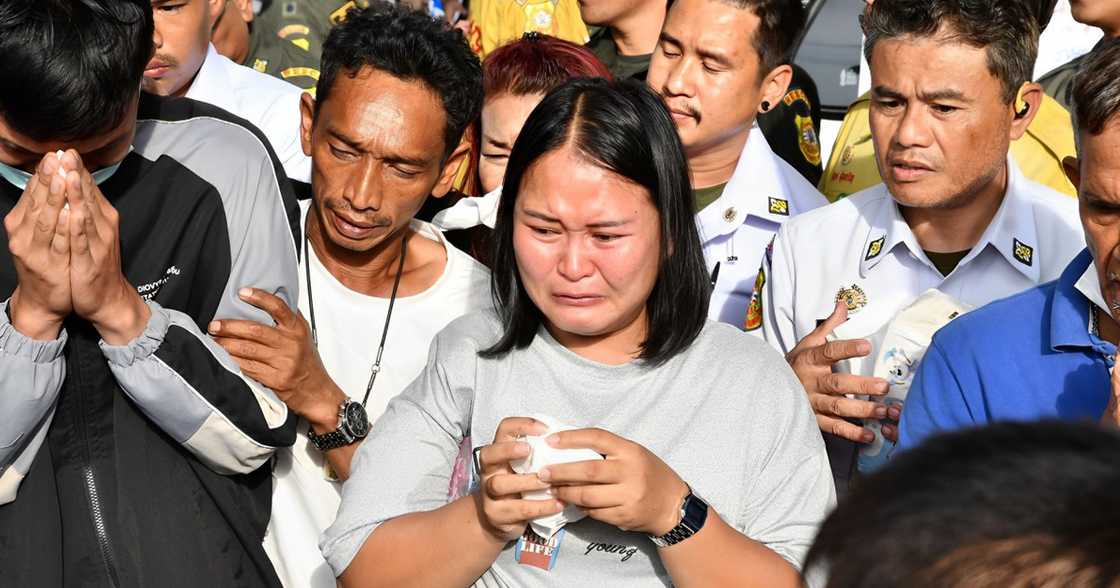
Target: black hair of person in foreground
{"x":1013,"y":504}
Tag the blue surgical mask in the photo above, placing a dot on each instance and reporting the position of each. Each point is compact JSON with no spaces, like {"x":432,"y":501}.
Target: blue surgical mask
{"x":19,"y":178}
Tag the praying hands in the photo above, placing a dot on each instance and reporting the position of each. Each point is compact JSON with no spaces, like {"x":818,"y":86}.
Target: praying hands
{"x":64,"y":240}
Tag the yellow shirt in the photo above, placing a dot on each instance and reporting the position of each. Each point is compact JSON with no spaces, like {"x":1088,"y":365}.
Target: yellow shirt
{"x":501,"y":21}
{"x":1039,"y":152}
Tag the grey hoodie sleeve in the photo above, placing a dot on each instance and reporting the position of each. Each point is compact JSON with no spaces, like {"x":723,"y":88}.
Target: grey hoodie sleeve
{"x":31,"y":375}
{"x":177,"y":375}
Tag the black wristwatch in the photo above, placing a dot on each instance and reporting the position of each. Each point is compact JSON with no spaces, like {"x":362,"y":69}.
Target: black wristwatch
{"x":694,"y":511}
{"x":353,"y":424}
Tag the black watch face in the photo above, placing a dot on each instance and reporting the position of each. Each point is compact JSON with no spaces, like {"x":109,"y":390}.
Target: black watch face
{"x":356,"y":420}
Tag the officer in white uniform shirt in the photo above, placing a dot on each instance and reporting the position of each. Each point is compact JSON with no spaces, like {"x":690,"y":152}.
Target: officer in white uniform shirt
{"x":186,"y":64}
{"x":715,"y":81}
{"x":259,"y":98}
{"x":736,"y":228}
{"x":954,"y":212}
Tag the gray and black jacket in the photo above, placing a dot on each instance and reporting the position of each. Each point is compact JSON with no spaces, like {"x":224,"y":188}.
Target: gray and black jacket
{"x":147,"y":464}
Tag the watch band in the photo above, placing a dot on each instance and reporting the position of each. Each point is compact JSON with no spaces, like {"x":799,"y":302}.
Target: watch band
{"x":694,"y":512}
{"x":327,"y":441}
{"x":340,"y":437}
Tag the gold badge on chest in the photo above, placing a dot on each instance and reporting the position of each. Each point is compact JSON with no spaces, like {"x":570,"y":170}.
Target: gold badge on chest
{"x":854,"y":297}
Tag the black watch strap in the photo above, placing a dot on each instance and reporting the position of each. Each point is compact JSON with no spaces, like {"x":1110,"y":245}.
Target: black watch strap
{"x":328,"y":441}
{"x":345,"y":433}
{"x":694,"y":512}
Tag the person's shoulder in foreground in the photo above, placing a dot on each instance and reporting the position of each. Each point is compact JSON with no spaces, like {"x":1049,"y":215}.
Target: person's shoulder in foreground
{"x":1024,"y":357}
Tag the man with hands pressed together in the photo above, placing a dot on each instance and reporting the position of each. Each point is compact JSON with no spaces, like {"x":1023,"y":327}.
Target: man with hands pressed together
{"x":132,"y":446}
{"x":63,"y":238}
{"x":397,"y":90}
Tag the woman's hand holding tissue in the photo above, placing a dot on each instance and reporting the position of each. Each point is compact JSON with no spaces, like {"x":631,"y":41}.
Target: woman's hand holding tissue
{"x":631,"y":489}
{"x":502,"y":511}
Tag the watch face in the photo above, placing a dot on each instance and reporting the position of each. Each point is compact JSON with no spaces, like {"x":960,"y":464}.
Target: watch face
{"x":356,"y":421}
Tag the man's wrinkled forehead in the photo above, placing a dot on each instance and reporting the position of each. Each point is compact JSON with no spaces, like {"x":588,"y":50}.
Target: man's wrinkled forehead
{"x":1099,"y":156}
{"x":377,"y":109}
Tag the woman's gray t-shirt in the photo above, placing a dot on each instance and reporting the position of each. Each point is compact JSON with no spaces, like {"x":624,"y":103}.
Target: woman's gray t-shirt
{"x":728,"y":415}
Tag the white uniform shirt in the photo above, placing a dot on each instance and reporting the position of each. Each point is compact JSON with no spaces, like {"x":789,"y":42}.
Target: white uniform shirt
{"x":763,"y":192}
{"x":304,"y":500}
{"x":861,"y":248}
{"x":270,"y":104}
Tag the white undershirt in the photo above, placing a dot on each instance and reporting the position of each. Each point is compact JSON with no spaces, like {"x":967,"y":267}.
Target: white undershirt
{"x":1090,"y":287}
{"x":349,"y":329}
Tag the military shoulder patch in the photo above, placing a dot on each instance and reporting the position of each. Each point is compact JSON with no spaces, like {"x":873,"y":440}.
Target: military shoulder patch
{"x":807,"y":140}
{"x":293,"y":29}
{"x":292,"y":72}
{"x":854,"y":298}
{"x":875,"y":248}
{"x":779,"y":206}
{"x":340,"y":15}
{"x":1024,"y":253}
{"x":754,"y":311}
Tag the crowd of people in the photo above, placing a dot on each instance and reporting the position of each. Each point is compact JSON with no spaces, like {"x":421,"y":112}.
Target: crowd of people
{"x":546,"y":292}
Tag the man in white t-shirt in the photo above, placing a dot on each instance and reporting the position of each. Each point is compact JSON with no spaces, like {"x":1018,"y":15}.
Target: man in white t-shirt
{"x":376,"y":285}
{"x":186,"y":64}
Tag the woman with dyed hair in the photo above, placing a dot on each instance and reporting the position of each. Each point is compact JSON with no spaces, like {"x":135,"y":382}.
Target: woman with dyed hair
{"x":515,"y":78}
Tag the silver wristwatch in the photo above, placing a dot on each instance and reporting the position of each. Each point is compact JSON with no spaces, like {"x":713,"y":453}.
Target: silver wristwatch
{"x":353,"y":424}
{"x":694,"y":511}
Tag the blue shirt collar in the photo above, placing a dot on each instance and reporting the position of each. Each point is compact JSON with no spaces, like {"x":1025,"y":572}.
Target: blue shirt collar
{"x":1069,"y":310}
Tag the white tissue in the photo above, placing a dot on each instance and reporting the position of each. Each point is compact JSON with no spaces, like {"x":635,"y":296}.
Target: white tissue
{"x":542,"y":454}
{"x":470,"y":212}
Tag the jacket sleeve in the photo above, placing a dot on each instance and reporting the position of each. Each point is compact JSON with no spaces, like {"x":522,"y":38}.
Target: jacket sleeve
{"x":31,"y":375}
{"x":184,"y":381}
{"x":936,"y":401}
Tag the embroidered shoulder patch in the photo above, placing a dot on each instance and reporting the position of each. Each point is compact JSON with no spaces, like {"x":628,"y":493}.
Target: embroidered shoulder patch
{"x":807,"y":139}
{"x":1024,"y":253}
{"x":340,"y":15}
{"x":779,"y":206}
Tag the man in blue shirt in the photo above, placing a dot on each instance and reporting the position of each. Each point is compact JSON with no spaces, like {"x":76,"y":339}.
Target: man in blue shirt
{"x":1047,"y":352}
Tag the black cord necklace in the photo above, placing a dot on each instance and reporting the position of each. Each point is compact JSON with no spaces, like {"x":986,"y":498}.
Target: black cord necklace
{"x":388,"y":315}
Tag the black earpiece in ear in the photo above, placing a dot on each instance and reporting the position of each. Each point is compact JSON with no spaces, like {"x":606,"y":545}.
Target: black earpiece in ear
{"x":1024,"y":111}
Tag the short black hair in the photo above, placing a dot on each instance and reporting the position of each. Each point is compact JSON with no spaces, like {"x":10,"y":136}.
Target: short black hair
{"x":70,"y":69}
{"x":1096,"y":89}
{"x":623,"y":127}
{"x":1007,"y":30}
{"x":409,"y":45}
{"x":1013,"y":504}
{"x":781,"y":24}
